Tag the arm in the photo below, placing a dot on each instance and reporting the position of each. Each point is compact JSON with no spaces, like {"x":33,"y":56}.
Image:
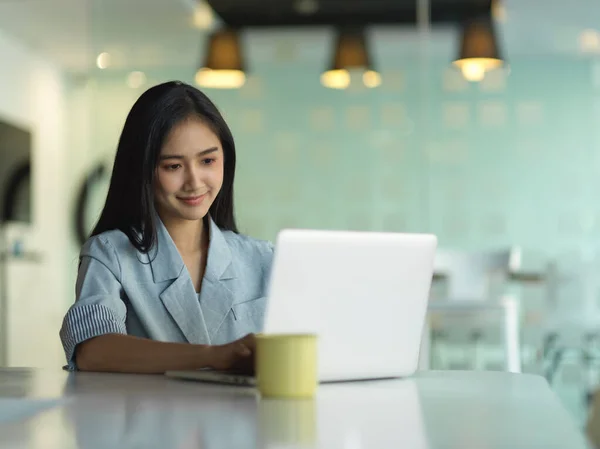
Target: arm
{"x":127,"y":354}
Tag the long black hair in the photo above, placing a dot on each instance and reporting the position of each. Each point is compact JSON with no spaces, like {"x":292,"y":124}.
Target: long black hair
{"x":129,"y":204}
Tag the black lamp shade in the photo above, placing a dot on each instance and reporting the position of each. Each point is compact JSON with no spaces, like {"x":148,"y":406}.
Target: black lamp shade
{"x":351,"y":50}
{"x":351,"y":53}
{"x":224,"y":51}
{"x":224,"y":65}
{"x":479,"y":42}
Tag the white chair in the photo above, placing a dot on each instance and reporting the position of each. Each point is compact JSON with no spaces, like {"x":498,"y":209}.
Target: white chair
{"x":475,"y":297}
{"x":476,"y":275}
{"x":571,"y":351}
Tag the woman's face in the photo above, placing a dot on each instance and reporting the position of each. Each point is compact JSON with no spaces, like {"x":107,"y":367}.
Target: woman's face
{"x":189,"y":174}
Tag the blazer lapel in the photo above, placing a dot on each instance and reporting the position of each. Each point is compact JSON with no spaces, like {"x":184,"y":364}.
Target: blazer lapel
{"x":179,"y":298}
{"x":181,"y":301}
{"x":216,"y":296}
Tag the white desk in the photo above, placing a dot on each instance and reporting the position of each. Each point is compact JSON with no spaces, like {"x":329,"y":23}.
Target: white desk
{"x":483,"y":410}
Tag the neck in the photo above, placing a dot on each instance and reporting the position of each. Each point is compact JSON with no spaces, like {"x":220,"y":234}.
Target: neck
{"x":189,"y":236}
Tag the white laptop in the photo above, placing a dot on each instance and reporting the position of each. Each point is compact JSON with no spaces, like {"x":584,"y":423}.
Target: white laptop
{"x":363,"y":293}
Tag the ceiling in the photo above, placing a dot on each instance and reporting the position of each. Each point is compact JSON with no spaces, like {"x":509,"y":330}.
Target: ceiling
{"x":147,"y":34}
{"x":137,"y":33}
{"x":279,"y":13}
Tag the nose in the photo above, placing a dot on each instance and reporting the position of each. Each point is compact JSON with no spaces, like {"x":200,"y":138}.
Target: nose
{"x":193,"y":178}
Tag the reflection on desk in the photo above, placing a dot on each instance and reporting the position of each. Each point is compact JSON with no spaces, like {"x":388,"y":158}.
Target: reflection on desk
{"x":222,"y":417}
{"x":432,"y":410}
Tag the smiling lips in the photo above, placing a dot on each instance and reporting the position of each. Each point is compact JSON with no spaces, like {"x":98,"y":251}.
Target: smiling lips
{"x":192,"y":200}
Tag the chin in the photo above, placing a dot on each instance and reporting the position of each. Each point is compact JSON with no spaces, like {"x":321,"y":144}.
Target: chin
{"x":178,"y":212}
{"x":187,"y":213}
{"x":193,"y":216}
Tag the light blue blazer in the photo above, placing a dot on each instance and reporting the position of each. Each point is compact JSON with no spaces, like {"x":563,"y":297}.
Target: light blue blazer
{"x":120,"y":290}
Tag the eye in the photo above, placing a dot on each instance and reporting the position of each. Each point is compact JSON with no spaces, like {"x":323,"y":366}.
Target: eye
{"x":208,"y":161}
{"x":172,"y":167}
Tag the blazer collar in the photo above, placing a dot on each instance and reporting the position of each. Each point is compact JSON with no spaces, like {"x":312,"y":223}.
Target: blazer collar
{"x":167,"y":263}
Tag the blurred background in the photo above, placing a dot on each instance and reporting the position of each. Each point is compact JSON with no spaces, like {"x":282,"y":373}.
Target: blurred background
{"x":475,"y":120}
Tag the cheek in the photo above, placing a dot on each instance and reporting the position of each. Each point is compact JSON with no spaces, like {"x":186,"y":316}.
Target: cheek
{"x":218,"y":175}
{"x":167,"y":182}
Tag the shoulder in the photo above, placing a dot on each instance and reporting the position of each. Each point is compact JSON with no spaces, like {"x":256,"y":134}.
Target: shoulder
{"x":248,"y":247}
{"x":110,"y":242}
{"x":112,"y":248}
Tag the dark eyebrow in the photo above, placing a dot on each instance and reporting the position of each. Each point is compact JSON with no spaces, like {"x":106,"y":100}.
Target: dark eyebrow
{"x":178,"y":156}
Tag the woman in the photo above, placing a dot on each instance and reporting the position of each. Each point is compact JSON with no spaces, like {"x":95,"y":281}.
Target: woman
{"x":166,"y":282}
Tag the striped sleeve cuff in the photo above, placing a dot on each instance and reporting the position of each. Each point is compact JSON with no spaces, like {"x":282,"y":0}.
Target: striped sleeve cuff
{"x":85,"y":322}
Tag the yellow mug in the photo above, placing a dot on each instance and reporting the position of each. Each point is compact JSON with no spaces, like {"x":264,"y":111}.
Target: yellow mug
{"x":286,"y":365}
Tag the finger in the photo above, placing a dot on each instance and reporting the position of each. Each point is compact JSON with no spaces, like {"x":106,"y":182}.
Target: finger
{"x":250,"y":341}
{"x":243,"y":350}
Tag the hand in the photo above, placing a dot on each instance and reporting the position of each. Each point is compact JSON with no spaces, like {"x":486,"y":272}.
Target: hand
{"x":235,"y":356}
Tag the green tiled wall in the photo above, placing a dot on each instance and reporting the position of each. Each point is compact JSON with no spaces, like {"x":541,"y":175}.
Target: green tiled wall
{"x":511,"y":161}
